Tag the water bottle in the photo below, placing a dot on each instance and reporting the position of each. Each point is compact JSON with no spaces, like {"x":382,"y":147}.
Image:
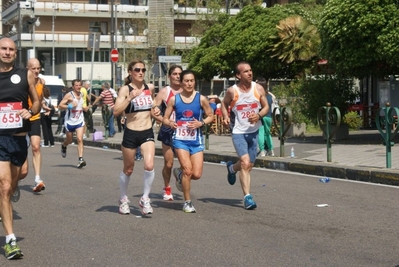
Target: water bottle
{"x":292,"y":152}
{"x":324,"y":180}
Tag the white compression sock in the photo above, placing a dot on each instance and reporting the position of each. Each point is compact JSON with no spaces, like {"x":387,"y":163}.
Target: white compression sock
{"x":37,"y":179}
{"x":9,"y":237}
{"x":123,"y":184}
{"x":148,"y":178}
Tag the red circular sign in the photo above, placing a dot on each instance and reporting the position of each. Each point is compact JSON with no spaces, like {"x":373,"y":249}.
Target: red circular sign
{"x":114,"y":55}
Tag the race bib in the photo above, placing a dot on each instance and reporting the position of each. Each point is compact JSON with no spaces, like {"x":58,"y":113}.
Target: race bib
{"x":143,"y":101}
{"x":76,"y":113}
{"x":183,"y":133}
{"x":244,"y":110}
{"x":9,"y":117}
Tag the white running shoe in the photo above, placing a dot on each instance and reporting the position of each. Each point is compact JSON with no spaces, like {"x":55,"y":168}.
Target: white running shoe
{"x":167,"y":194}
{"x":262,"y":153}
{"x":177,"y":172}
{"x":188,"y":207}
{"x":145,"y":205}
{"x":124,"y":206}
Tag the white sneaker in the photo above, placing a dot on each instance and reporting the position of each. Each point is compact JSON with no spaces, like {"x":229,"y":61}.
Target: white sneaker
{"x":262,"y":153}
{"x":188,"y":207}
{"x":177,"y":172}
{"x":270,"y":153}
{"x":145,"y":205}
{"x":167,"y":194}
{"x":124,"y":206}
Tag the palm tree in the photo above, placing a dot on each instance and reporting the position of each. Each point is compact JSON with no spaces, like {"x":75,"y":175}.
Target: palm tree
{"x":296,"y":40}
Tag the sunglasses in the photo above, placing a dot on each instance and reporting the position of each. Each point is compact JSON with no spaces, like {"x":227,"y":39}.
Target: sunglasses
{"x":138,"y":70}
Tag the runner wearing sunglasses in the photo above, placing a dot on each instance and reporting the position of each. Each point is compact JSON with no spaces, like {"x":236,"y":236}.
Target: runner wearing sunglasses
{"x":135,"y":99}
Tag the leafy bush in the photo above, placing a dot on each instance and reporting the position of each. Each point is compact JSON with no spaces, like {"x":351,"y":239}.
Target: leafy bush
{"x":353,"y":120}
{"x":306,"y":95}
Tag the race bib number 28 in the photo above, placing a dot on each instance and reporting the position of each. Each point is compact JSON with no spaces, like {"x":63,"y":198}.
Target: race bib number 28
{"x":9,"y":119}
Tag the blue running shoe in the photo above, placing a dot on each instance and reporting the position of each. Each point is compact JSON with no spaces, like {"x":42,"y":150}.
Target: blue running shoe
{"x":249,"y":203}
{"x":231,"y":176}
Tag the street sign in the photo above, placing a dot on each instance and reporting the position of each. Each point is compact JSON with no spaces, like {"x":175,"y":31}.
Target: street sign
{"x":94,"y":41}
{"x":114,"y":55}
{"x":170,"y":59}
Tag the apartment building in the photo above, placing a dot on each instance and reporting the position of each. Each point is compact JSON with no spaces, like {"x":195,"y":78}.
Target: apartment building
{"x":60,"y":34}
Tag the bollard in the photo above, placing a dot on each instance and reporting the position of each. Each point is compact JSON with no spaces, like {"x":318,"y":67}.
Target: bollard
{"x":326,"y":117}
{"x":387,"y":121}
{"x":106,"y":114}
{"x":207,"y":136}
{"x":282,"y":122}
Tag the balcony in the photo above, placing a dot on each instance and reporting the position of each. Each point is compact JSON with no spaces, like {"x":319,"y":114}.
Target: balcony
{"x":79,"y":40}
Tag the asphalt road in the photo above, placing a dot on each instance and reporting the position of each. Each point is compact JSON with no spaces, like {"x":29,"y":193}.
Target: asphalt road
{"x":75,"y":221}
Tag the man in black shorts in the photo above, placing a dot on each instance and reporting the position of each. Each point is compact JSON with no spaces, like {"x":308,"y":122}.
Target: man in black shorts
{"x":16,"y":84}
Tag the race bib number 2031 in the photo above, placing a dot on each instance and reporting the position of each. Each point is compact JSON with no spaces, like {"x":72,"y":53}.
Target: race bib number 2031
{"x":9,"y":119}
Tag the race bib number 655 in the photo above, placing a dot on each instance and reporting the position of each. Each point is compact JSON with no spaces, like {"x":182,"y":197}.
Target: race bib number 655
{"x":9,"y":119}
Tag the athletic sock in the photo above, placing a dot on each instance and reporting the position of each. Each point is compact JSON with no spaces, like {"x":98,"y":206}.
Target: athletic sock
{"x":231,"y":168}
{"x":123,"y":184}
{"x":148,"y":178}
{"x":9,"y":237}
{"x":37,"y":179}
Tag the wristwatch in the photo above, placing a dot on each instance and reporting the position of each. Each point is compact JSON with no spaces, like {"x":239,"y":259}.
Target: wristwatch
{"x":30,"y":111}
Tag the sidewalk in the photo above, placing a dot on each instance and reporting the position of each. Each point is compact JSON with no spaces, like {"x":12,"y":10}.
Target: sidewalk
{"x":361,"y":157}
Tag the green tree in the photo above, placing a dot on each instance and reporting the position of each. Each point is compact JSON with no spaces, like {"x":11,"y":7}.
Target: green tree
{"x":234,"y":39}
{"x":297,"y":41}
{"x":360,"y":38}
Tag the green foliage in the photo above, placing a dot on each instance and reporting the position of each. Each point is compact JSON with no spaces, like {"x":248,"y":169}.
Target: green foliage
{"x":244,"y":37}
{"x":288,"y":96}
{"x":360,"y":38}
{"x":306,"y":96}
{"x":353,"y":120}
{"x":318,"y":91}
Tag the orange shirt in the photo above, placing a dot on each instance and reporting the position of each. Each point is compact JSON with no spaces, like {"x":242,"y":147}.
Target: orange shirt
{"x":39,"y":90}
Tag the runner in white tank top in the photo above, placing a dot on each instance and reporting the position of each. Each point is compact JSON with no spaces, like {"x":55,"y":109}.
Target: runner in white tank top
{"x":75,"y":116}
{"x":248,"y":103}
{"x":245,"y":99}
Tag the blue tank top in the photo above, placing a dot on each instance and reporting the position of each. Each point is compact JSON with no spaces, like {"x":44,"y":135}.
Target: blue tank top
{"x":186,"y":112}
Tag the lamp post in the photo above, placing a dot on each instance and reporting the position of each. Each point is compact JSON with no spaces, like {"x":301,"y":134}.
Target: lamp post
{"x":55,"y":6}
{"x":124,"y":42}
{"x":35,"y":23}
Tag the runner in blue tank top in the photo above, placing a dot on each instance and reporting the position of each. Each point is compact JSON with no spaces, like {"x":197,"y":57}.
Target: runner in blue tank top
{"x":189,"y":107}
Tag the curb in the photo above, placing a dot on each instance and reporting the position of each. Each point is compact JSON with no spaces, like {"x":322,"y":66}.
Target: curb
{"x":372,"y":175}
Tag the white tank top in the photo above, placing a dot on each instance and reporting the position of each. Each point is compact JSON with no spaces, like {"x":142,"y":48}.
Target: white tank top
{"x":243,"y":105}
{"x":75,"y":116}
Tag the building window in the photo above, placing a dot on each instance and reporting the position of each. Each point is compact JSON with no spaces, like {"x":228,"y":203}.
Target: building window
{"x":130,"y":2}
{"x":99,"y":26}
{"x":84,"y":55}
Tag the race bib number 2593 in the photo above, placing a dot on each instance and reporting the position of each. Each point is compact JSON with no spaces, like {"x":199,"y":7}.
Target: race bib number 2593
{"x":9,"y":119}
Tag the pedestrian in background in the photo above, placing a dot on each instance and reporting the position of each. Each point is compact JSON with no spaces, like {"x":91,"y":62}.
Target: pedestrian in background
{"x":265,"y":140}
{"x":107,"y":97}
{"x":45,"y":119}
